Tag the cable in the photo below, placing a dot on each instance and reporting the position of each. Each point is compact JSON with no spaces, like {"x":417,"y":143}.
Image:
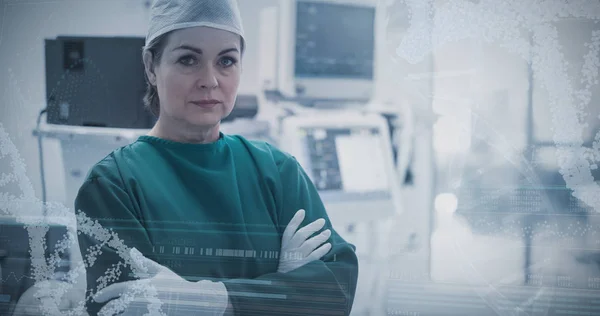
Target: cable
{"x":65,"y":264}
{"x":41,"y":153}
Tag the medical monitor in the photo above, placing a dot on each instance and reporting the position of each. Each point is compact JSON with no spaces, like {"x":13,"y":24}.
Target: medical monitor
{"x":348,"y":158}
{"x":334,"y":41}
{"x":344,"y":159}
{"x":327,"y":49}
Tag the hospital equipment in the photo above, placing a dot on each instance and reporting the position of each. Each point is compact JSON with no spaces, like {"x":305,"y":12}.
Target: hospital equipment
{"x":96,"y":81}
{"x":317,"y":68}
{"x":318,"y":59}
{"x":348,"y":156}
{"x":307,"y":58}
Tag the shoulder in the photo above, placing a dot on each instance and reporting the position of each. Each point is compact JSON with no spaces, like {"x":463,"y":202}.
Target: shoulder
{"x":104,"y":180}
{"x":110,"y":167}
{"x":262,"y":150}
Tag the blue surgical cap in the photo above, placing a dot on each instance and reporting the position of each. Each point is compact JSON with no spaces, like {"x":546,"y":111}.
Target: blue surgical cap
{"x":170,"y":15}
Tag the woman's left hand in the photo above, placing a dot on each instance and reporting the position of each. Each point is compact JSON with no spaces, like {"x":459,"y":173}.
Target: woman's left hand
{"x":44,"y":298}
{"x":297,"y":249}
{"x":161,"y":292}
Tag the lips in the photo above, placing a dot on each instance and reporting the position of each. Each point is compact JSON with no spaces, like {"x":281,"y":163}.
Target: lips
{"x":206,"y":103}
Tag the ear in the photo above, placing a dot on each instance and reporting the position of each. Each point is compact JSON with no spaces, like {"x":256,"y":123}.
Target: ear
{"x":149,"y":67}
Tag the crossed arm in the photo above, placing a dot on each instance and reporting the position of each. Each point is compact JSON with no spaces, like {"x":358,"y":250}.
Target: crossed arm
{"x":316,"y":286}
{"x":297,"y":250}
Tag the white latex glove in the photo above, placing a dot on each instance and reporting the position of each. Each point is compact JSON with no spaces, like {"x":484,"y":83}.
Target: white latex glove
{"x":296,"y":251}
{"x":170,"y":294}
{"x":35,"y":301}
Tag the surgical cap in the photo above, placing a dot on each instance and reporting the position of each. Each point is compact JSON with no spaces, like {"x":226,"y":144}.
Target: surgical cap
{"x":170,"y":15}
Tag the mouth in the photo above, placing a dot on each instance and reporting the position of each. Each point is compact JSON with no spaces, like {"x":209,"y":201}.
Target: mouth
{"x":206,"y":103}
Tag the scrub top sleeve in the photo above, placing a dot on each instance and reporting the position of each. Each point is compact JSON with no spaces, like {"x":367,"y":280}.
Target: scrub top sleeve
{"x":322,"y":287}
{"x":101,"y":199}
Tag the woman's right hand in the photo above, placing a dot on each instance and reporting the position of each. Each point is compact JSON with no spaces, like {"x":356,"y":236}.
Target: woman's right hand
{"x":296,"y":250}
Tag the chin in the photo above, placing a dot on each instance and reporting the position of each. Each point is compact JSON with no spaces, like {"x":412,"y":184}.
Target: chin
{"x":204,"y":119}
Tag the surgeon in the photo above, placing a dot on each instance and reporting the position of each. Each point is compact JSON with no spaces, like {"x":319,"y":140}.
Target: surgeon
{"x":218,"y":224}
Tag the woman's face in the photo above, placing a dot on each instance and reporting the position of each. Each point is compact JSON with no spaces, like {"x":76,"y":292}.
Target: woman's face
{"x":198,"y":75}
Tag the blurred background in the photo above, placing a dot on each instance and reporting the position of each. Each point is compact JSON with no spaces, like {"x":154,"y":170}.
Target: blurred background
{"x":479,"y":193}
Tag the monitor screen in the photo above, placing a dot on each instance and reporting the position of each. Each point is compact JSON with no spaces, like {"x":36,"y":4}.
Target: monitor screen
{"x":344,"y":159}
{"x":334,"y":41}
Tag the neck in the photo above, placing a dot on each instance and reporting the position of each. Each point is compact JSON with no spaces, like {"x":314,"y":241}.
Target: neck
{"x":184,"y":133}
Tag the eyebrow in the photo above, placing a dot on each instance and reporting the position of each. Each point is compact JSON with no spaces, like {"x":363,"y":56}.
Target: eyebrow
{"x":199,"y":51}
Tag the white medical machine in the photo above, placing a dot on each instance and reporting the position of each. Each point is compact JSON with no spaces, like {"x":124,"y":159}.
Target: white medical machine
{"x":348,"y":157}
{"x":319,"y":50}
{"x":82,"y":147}
{"x":317,"y":68}
{"x":318,"y":61}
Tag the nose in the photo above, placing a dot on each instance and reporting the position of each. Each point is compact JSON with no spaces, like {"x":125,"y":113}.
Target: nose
{"x":207,"y":78}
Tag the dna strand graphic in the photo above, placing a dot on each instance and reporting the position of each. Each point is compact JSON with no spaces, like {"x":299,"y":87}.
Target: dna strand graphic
{"x":502,"y":23}
{"x":26,"y":209}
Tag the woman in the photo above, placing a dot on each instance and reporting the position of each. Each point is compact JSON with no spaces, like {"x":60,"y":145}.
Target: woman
{"x":212,"y":217}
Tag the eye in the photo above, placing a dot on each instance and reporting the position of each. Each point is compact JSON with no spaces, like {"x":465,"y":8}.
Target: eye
{"x":227,"y":61}
{"x":187,"y":60}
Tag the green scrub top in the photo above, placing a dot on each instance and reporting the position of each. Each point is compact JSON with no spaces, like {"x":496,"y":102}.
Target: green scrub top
{"x":216,"y":211}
